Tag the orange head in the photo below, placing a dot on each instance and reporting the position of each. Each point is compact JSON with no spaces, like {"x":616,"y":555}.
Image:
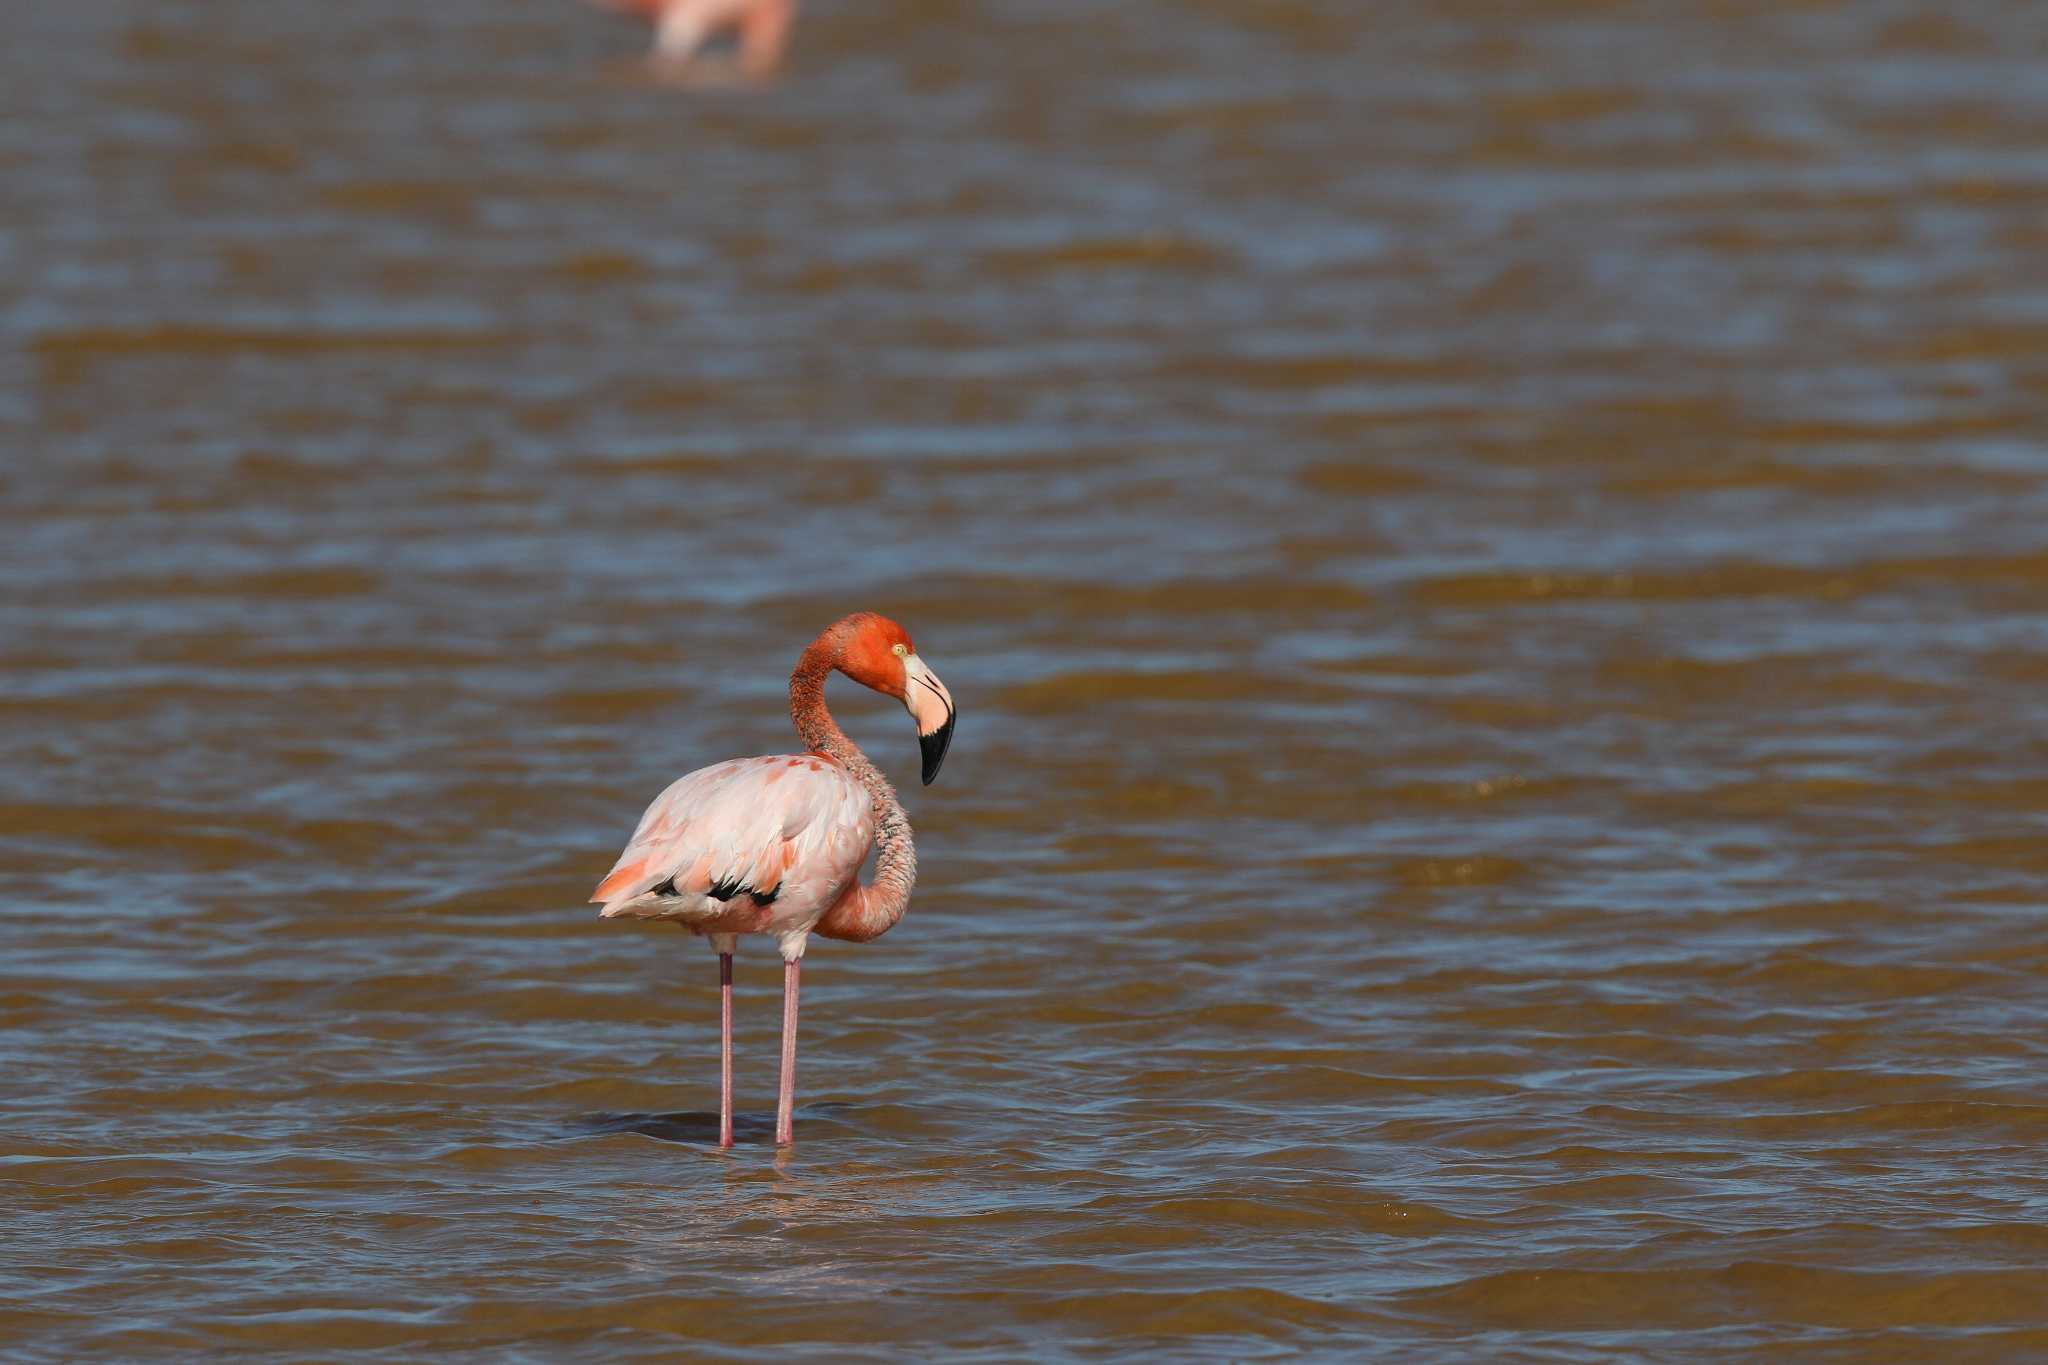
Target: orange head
{"x":876,"y":652}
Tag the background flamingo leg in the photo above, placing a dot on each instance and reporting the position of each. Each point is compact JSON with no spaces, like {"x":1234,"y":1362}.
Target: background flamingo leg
{"x":785,"y":1105}
{"x":725,"y":1049}
{"x":680,"y":31}
{"x":764,"y":30}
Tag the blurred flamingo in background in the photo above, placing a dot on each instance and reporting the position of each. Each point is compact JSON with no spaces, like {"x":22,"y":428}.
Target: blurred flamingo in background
{"x":681,"y":27}
{"x":774,"y":845}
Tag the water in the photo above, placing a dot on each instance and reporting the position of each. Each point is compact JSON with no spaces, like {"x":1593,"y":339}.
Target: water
{"x":1492,"y":563}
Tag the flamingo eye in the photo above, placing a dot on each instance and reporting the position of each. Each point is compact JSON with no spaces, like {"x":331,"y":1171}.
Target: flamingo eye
{"x":899,"y":650}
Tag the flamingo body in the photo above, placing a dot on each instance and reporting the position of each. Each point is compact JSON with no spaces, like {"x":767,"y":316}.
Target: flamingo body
{"x":748,"y":846}
{"x":681,"y":27}
{"x":774,"y":845}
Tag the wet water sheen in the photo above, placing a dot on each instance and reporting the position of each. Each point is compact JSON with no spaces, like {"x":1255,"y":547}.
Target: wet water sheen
{"x":1493,"y":563}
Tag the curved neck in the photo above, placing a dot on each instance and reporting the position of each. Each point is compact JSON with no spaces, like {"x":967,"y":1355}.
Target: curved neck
{"x":861,"y":912}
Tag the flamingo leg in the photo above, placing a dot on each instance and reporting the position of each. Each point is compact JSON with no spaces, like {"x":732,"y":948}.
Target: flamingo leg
{"x":725,"y":1049}
{"x":680,"y":31}
{"x":764,"y":29}
{"x":785,"y":1105}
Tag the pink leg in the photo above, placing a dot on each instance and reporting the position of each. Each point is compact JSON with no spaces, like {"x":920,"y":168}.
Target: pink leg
{"x":764,"y":30}
{"x":785,"y":1107}
{"x":725,"y":1049}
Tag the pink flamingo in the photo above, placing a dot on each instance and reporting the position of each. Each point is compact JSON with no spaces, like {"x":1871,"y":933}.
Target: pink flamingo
{"x":774,"y":845}
{"x":683,"y":26}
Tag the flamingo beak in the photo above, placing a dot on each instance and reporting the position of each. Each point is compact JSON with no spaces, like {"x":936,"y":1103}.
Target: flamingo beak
{"x":931,"y":706}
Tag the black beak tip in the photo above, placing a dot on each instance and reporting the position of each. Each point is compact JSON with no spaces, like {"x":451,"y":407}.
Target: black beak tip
{"x":934,"y":746}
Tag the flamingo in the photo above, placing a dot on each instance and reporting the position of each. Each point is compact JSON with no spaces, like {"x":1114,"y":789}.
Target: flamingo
{"x":683,"y":26}
{"x":774,"y":845}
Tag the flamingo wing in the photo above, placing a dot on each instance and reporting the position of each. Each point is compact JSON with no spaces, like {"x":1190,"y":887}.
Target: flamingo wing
{"x":752,"y":827}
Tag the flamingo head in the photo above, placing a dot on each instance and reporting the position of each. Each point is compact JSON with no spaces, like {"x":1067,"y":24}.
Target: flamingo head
{"x":876,"y":652}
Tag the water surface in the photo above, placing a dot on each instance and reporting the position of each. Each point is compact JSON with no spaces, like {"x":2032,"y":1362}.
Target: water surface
{"x":1492,"y":564}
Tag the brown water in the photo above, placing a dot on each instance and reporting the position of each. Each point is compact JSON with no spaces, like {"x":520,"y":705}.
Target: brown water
{"x":1493,"y":562}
